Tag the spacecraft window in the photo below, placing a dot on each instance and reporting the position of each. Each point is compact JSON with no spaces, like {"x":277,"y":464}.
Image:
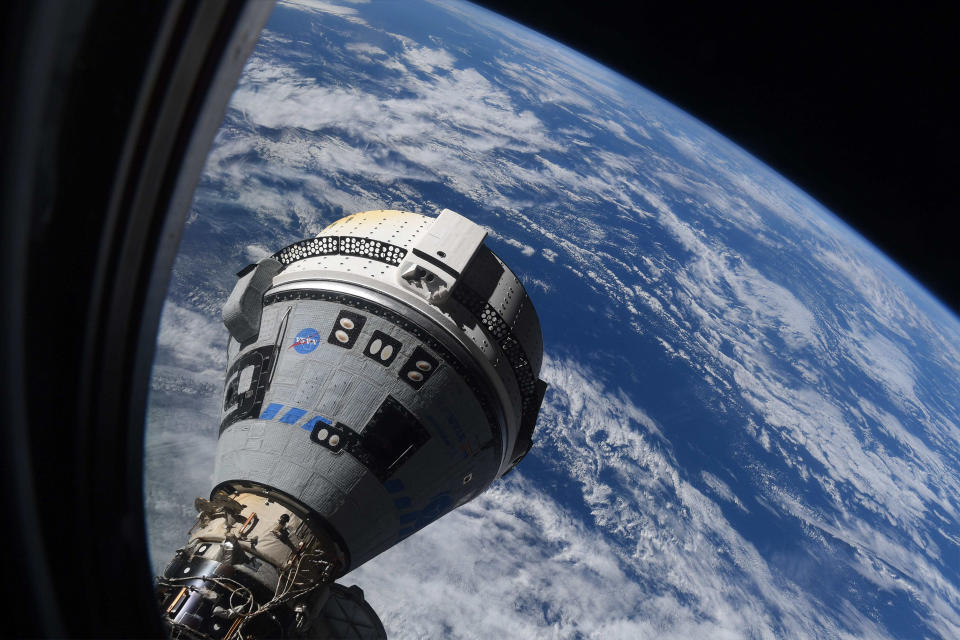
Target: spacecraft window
{"x":418,"y":368}
{"x":231,"y":395}
{"x":392,"y":435}
{"x":246,"y":378}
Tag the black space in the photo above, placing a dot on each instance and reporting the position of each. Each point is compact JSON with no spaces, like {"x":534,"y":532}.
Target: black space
{"x":854,"y":102}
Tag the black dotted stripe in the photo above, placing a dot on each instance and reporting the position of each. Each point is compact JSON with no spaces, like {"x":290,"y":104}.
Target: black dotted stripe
{"x":500,"y":331}
{"x":424,"y":336}
{"x":341,"y":245}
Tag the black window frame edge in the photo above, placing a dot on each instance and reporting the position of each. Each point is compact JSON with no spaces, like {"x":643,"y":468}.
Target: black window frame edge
{"x":108,"y":113}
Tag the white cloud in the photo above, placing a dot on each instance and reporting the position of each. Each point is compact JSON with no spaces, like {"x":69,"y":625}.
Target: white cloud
{"x":692,"y":245}
{"x":511,"y":564}
{"x":337,"y":9}
{"x":653,"y":558}
{"x":525,"y":249}
{"x":721,"y":489}
{"x":365,"y":48}
{"x":427,"y":59}
{"x":256,"y":252}
{"x":193,"y":343}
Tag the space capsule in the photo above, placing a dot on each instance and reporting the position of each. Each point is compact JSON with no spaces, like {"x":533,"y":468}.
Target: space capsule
{"x":379,"y":375}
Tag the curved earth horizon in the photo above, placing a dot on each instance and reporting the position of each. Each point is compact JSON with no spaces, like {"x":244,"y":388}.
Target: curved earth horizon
{"x":752,"y":428}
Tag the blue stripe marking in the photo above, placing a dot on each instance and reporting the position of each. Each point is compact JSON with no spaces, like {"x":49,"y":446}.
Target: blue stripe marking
{"x":394,"y":485}
{"x":401,"y":503}
{"x":293,"y":416}
{"x":272,"y":409}
{"x":312,"y":422}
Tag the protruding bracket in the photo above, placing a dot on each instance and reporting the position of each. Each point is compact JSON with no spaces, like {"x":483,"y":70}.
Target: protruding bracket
{"x":438,"y":257}
{"x":241,"y":313}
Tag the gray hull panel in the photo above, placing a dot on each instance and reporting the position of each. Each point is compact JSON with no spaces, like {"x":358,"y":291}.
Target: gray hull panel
{"x":318,"y":383}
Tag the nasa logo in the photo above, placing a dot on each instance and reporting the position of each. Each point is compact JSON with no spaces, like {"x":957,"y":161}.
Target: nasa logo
{"x":306,"y":341}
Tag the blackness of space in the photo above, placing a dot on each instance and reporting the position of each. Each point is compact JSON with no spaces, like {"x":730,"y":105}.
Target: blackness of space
{"x":854,"y":103}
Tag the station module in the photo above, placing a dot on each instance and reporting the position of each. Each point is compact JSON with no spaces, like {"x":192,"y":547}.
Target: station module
{"x":379,"y":376}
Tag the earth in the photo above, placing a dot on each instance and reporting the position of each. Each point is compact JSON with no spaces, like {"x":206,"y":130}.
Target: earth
{"x":753,"y":422}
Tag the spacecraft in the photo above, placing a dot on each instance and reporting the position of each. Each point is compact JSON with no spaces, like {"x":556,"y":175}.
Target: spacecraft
{"x":379,"y":375}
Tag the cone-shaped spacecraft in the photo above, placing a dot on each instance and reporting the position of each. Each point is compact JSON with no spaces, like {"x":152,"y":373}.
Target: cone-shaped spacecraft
{"x":379,"y":375}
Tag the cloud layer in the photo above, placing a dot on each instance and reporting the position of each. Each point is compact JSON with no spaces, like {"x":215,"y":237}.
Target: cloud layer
{"x":752,"y":428}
